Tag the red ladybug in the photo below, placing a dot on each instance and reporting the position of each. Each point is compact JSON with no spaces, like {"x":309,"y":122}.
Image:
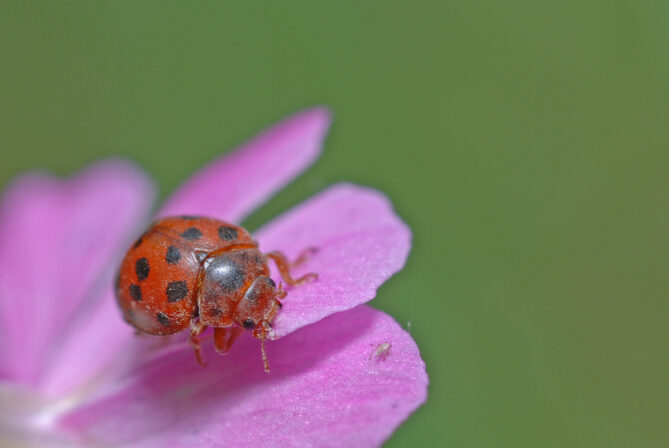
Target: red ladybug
{"x":197,"y":272}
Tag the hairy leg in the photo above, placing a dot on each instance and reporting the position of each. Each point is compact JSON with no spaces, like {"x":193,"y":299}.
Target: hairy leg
{"x":194,"y":340}
{"x":224,"y":337}
{"x":284,"y":268}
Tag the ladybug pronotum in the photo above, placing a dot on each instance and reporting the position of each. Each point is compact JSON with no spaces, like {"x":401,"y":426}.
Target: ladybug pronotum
{"x":196,"y":272}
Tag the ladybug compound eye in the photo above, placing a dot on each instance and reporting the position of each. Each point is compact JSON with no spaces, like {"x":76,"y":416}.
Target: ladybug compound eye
{"x":249,"y":324}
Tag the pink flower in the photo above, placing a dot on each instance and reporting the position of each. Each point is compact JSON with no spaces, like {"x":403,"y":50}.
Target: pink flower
{"x":73,"y":373}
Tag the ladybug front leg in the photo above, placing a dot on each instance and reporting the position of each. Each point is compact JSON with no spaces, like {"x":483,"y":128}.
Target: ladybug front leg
{"x":194,"y":340}
{"x":284,"y":268}
{"x":224,"y":337}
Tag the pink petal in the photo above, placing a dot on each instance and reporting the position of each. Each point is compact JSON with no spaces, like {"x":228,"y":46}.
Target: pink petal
{"x":97,"y":348}
{"x":330,"y":385}
{"x":229,"y":188}
{"x":235,"y":184}
{"x":56,"y":239}
{"x":360,"y":243}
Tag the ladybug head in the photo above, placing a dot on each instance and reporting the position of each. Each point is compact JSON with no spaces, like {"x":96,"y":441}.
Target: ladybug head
{"x":259,"y":306}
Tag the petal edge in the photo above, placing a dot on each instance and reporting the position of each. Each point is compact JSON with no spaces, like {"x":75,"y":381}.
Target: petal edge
{"x":360,"y":242}
{"x":57,"y":236}
{"x":233,"y":185}
{"x":328,"y":387}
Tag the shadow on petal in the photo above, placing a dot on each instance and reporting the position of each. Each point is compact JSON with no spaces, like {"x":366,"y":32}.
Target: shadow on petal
{"x":326,"y":387}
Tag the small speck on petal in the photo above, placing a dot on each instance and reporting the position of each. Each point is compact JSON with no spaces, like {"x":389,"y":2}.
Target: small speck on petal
{"x":323,"y":390}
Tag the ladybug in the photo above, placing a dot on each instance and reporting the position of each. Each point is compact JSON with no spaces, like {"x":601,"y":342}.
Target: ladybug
{"x":192,"y":272}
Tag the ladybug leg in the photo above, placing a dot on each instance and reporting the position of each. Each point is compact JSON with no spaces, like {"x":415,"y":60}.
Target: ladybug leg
{"x":280,"y":293}
{"x":284,"y":268}
{"x":304,"y":256}
{"x":224,"y":337}
{"x":194,"y":340}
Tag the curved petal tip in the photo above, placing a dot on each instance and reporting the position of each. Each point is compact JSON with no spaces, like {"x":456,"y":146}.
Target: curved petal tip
{"x":232,"y":186}
{"x":357,"y":240}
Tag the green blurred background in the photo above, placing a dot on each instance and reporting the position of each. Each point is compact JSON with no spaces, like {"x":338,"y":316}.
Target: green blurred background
{"x":526,"y":144}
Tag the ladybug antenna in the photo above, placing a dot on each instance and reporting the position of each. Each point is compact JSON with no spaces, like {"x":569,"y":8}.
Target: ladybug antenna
{"x":262,"y":346}
{"x":264,"y":354}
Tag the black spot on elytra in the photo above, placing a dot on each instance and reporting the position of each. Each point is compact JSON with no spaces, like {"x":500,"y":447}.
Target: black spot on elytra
{"x":173,"y":255}
{"x":142,"y":268}
{"x":136,"y":292}
{"x":248,"y":324}
{"x":163,"y":319}
{"x":176,"y":291}
{"x":227,"y":233}
{"x":192,"y":234}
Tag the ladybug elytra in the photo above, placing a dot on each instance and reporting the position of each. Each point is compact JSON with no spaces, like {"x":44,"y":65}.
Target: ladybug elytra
{"x":196,"y":272}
